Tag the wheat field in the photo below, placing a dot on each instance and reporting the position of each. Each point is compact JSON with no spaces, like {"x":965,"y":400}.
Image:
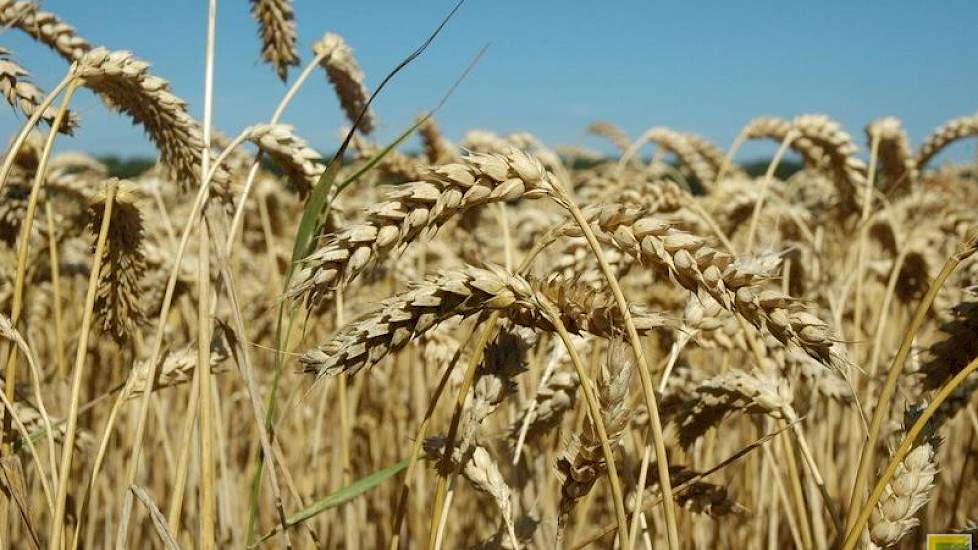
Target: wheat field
{"x":492,"y":343}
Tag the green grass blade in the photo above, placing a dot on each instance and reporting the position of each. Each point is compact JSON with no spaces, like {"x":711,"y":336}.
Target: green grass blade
{"x":343,"y":495}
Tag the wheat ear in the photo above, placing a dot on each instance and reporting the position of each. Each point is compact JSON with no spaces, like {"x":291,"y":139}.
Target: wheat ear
{"x":301,"y":163}
{"x":734,"y":284}
{"x":897,"y":165}
{"x":45,"y":27}
{"x":482,"y":472}
{"x":612,"y":133}
{"x":343,"y":71}
{"x":118,"y":305}
{"x":436,"y":148}
{"x":582,"y":462}
{"x":276,"y":28}
{"x":24,"y":95}
{"x":905,"y":494}
{"x":417,"y":210}
{"x":125,"y":82}
{"x":944,"y":135}
{"x":849,"y":171}
{"x":674,"y":142}
{"x":463,"y":292}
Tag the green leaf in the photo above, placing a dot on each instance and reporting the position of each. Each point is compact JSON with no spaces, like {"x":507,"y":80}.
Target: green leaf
{"x":383,"y":153}
{"x":342,"y":496}
{"x":318,"y":201}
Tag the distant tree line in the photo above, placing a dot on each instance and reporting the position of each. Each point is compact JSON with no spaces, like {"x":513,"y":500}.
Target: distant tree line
{"x":130,"y":167}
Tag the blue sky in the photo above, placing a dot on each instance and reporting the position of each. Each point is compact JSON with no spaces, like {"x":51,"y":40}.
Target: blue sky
{"x":553,"y":66}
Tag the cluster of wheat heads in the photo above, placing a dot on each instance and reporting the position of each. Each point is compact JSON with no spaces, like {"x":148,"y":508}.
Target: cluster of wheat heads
{"x":488,"y":344}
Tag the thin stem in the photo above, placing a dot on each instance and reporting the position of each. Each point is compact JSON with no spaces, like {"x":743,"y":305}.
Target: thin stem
{"x":662,"y":463}
{"x":136,"y":441}
{"x":866,"y":458}
{"x":256,"y":164}
{"x":884,"y":315}
{"x":728,"y":158}
{"x":183,"y":460}
{"x":401,"y":509}
{"x":207,"y":494}
{"x":857,"y":315}
{"x":205,"y":429}
{"x":59,"y":331}
{"x":10,"y":372}
{"x":765,"y":188}
{"x":67,"y":450}
{"x":594,"y":410}
{"x":908,"y":440}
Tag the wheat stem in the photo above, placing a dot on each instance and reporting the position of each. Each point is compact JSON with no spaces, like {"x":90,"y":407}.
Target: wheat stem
{"x":10,"y":372}
{"x":643,"y":367}
{"x":765,"y":188}
{"x":908,"y":440}
{"x":59,"y":331}
{"x":866,"y":458}
{"x":238,"y":218}
{"x":67,"y":450}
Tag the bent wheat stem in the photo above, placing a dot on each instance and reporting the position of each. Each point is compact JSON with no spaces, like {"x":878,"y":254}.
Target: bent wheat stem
{"x":662,"y":463}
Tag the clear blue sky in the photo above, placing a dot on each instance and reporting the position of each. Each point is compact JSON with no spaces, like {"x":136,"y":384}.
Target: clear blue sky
{"x":553,"y":66}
